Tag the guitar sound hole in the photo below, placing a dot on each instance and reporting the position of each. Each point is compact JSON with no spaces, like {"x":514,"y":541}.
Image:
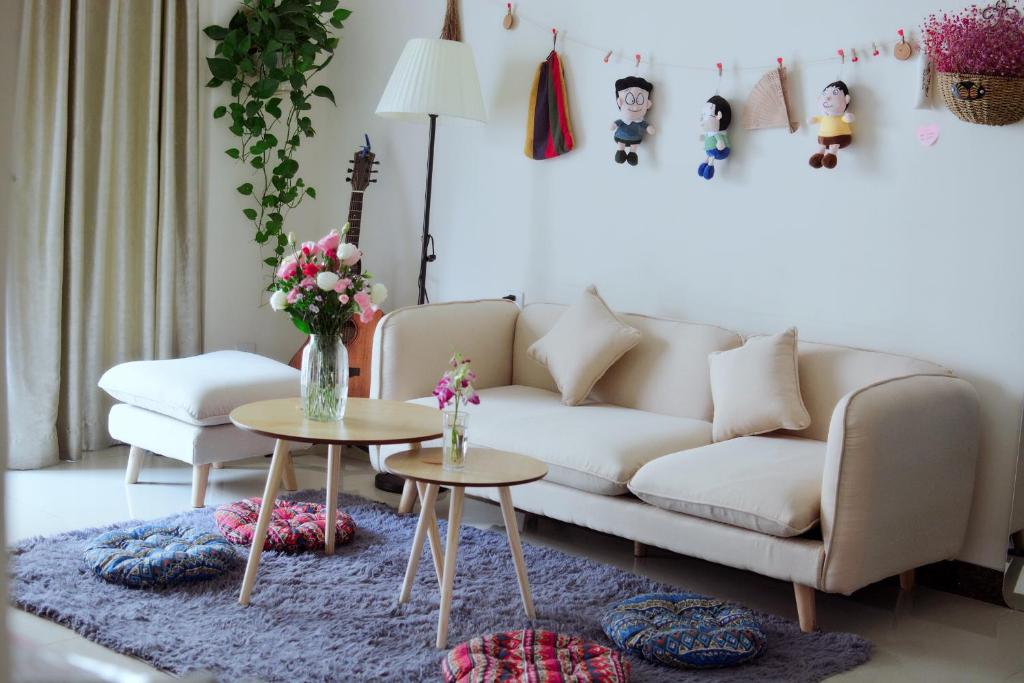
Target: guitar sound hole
{"x":348,"y":332}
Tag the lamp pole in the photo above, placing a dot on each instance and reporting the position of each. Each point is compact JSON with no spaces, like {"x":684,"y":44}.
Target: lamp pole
{"x":428,"y":241}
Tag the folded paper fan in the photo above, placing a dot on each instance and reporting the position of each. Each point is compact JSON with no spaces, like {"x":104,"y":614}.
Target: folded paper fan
{"x":768,"y":106}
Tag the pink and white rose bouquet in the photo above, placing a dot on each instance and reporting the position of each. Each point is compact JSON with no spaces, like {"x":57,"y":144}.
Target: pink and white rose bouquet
{"x":321,"y":287}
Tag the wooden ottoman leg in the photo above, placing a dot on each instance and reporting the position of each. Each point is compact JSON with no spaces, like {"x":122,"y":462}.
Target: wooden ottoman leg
{"x":805,"y":609}
{"x":135,"y":456}
{"x":288,"y":472}
{"x":200,"y":475}
{"x":333,"y":484}
{"x":508,"y":512}
{"x":266,"y":510}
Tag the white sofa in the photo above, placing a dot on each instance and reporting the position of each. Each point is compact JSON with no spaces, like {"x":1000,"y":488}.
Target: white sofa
{"x":880,"y":483}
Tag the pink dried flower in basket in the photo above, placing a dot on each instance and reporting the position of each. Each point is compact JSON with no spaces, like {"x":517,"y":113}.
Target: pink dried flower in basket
{"x":977,"y":40}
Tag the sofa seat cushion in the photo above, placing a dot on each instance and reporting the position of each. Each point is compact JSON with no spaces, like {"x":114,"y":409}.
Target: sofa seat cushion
{"x":200,"y":390}
{"x":770,"y":484}
{"x":596,"y":447}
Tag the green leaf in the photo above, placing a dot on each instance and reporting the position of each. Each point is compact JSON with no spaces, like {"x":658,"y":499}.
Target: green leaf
{"x":236,"y":88}
{"x":233,"y":152}
{"x":282,"y":240}
{"x":264,"y":88}
{"x":279,"y":249}
{"x":214,"y":83}
{"x":311,"y":191}
{"x":261,"y":237}
{"x":215,"y":32}
{"x":285,"y":36}
{"x":270,"y":261}
{"x":250,"y":214}
{"x":341,"y":14}
{"x":221,"y":68}
{"x":328,"y":5}
{"x":324,"y":92}
{"x":244,"y":188}
{"x":257,"y":162}
{"x":219,"y":112}
{"x":301,"y":324}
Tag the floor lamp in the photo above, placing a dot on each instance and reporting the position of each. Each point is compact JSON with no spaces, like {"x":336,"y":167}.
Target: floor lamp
{"x":434,"y":78}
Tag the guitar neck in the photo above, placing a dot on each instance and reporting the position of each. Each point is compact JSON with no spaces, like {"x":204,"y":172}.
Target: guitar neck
{"x":355,"y":215}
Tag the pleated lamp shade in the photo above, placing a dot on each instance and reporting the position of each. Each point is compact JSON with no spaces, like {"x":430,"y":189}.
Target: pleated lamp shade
{"x":433,"y":76}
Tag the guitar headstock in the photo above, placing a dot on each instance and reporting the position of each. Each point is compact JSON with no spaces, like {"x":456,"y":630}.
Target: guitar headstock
{"x":362,"y":171}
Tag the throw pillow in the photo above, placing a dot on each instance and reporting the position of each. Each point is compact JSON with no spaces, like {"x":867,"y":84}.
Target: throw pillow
{"x":583,"y":344}
{"x":756,"y":388}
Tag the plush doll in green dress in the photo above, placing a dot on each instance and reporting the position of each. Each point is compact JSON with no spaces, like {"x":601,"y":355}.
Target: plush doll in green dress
{"x":714,"y":120}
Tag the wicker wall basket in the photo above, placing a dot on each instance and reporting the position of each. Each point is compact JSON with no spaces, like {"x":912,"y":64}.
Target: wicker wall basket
{"x":991,"y":100}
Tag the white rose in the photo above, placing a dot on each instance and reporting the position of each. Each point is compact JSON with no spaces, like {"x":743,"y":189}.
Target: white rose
{"x":378,"y":293}
{"x":326,"y":280}
{"x":346,"y":251}
{"x":278,"y":300}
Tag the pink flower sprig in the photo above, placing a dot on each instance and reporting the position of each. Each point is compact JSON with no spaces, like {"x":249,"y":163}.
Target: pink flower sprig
{"x":977,"y":41}
{"x":457,"y":385}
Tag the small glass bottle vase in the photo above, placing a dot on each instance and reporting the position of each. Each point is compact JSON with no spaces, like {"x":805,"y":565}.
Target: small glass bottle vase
{"x":455,"y":439}
{"x":324,"y":378}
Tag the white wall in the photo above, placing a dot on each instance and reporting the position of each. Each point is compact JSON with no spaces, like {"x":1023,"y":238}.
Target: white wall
{"x":902,"y":248}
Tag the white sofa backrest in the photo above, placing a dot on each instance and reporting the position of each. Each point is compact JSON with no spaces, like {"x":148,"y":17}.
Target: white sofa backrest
{"x":827,"y":373}
{"x":667,"y":372}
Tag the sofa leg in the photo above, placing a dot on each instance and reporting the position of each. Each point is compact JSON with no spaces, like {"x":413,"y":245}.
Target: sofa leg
{"x":531,"y":521}
{"x":805,"y":608}
{"x":907,"y":580}
{"x":218,"y":465}
{"x":135,"y":456}
{"x":200,"y":475}
{"x":639,"y":549}
{"x":408,"y":497}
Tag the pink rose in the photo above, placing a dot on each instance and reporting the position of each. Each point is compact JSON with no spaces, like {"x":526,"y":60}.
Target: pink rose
{"x":329,"y":242}
{"x":363,"y":300}
{"x":307,"y":283}
{"x":294,"y":295}
{"x":367,"y":315}
{"x":343,"y":285}
{"x":310,"y":248}
{"x":288,"y":268}
{"x":343,"y":298}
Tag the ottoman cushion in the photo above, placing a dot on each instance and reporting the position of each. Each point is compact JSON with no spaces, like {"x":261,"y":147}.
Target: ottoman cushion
{"x":155,"y":556}
{"x":533,"y":656}
{"x":200,"y":390}
{"x":685,"y":630}
{"x":294,"y":526}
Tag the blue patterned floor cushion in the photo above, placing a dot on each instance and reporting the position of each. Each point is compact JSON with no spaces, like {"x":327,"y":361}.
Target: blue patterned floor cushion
{"x":155,"y":556}
{"x":685,"y":630}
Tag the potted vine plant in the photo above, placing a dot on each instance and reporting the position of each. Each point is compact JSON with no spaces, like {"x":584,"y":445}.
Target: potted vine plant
{"x":978,"y":55}
{"x":269,"y":55}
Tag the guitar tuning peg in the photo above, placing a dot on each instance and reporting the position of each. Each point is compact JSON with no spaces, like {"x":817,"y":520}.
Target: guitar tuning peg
{"x":373,"y":180}
{"x":348,"y":171}
{"x":348,"y":180}
{"x":376,"y":163}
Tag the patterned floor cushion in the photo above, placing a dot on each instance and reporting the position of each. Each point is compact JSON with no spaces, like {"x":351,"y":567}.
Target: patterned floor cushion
{"x":155,"y":556}
{"x":294,"y":526}
{"x":528,"y":656}
{"x":685,"y":630}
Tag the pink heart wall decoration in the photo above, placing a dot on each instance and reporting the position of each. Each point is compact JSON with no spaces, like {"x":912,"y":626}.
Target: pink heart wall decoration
{"x":928,"y":135}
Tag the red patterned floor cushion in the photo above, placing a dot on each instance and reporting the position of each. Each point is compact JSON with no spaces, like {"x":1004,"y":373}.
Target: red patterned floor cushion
{"x":294,"y":526}
{"x":533,"y":656}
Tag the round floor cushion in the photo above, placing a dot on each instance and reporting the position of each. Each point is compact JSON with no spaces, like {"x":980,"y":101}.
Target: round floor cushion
{"x":685,"y":630}
{"x":529,"y":656}
{"x":158,"y":556}
{"x":294,"y":526}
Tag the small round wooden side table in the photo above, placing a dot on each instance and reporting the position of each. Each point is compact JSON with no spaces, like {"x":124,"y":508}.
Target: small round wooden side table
{"x":367,"y":422}
{"x":484,"y":467}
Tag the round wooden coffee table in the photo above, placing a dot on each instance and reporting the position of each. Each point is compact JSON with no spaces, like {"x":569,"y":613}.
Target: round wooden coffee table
{"x":484,"y":467}
{"x":367,"y":422}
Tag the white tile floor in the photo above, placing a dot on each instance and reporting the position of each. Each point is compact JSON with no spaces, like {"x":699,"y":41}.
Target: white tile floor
{"x":932,"y":636}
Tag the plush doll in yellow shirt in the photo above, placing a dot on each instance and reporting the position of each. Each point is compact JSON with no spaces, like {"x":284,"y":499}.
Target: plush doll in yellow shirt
{"x":834,"y":131}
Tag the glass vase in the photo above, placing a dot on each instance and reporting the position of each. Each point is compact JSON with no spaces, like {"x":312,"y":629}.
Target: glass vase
{"x":455,"y":440}
{"x":324,"y":378}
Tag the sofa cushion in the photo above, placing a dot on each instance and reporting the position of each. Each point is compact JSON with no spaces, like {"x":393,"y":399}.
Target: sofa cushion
{"x":596,"y":447}
{"x":770,"y":484}
{"x":200,"y":390}
{"x":582,"y":345}
{"x":756,"y":387}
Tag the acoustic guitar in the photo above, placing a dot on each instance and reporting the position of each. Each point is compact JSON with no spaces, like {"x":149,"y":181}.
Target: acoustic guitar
{"x":357,"y":335}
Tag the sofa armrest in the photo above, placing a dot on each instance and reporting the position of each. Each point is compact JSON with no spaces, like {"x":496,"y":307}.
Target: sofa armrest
{"x":412,"y":346}
{"x":898,"y":479}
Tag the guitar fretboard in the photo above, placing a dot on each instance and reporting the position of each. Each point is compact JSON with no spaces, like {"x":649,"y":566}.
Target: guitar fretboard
{"x":355,"y":214}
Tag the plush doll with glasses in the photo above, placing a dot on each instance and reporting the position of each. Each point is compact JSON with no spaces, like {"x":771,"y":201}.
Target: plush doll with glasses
{"x":834,"y":130}
{"x":633,"y":95}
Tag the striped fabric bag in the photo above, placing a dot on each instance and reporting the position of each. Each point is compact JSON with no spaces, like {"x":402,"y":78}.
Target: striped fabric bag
{"x":548,"y":128}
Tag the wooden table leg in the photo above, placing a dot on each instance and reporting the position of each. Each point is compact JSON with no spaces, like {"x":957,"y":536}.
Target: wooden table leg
{"x":409,"y":490}
{"x":333,"y":486}
{"x":426,"y":521}
{"x":266,"y":509}
{"x":508,"y":512}
{"x":450,"y":555}
{"x":433,"y":535}
{"x":288,"y":471}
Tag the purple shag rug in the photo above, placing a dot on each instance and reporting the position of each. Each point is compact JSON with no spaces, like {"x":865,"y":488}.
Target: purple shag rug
{"x":327,"y":618}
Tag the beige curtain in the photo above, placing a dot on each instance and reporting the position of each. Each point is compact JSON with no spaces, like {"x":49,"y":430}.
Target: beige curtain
{"x":105,"y":262}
